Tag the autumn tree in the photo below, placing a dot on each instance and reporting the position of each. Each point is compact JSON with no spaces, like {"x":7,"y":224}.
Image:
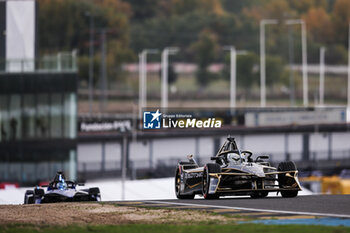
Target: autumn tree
{"x":341,"y":19}
{"x":319,"y":25}
{"x":304,"y":6}
{"x":247,"y":69}
{"x":205,"y":51}
{"x":275,"y":70}
{"x":206,"y":6}
{"x":64,"y":26}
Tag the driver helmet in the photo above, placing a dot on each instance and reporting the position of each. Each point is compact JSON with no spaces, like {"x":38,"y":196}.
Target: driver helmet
{"x":234,"y":158}
{"x":61,"y":184}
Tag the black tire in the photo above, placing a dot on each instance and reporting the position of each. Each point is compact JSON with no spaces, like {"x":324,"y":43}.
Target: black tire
{"x":261,"y":194}
{"x":209,"y":168}
{"x":285,"y":181}
{"x":94,"y":191}
{"x":29,"y":197}
{"x":177,"y":187}
{"x":39,"y":192}
{"x":95,"y":194}
{"x":287,"y":166}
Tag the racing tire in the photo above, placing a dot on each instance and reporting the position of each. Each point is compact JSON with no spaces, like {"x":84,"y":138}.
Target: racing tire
{"x":259,"y":194}
{"x":94,"y":191}
{"x":177,"y":187}
{"x":29,"y":197}
{"x":38,"y":194}
{"x":284,"y":181}
{"x":209,"y":168}
{"x":95,"y":194}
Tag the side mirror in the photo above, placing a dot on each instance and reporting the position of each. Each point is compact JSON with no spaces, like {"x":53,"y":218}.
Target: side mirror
{"x":214,"y":158}
{"x":190,"y":157}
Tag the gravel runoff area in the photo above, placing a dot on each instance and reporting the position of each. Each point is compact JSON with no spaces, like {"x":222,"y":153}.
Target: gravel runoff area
{"x":65,"y":214}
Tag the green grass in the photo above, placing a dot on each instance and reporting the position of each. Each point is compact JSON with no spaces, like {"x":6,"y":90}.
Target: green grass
{"x":156,"y":228}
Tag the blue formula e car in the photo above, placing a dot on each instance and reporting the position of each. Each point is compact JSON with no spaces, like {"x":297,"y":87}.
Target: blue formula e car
{"x":61,"y":190}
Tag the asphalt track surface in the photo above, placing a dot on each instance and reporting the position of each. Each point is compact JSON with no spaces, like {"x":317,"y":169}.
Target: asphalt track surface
{"x":323,"y":205}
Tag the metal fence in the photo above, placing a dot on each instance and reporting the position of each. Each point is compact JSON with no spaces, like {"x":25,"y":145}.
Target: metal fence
{"x":142,"y":168}
{"x":62,"y":62}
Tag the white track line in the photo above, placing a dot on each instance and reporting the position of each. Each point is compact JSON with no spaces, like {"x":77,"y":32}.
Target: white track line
{"x":253,"y":209}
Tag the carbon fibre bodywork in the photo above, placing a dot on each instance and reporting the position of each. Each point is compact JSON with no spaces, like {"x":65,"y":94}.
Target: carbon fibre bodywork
{"x":227,"y":176}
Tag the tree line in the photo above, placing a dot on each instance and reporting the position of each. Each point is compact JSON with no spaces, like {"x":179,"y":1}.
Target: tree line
{"x":200,"y":28}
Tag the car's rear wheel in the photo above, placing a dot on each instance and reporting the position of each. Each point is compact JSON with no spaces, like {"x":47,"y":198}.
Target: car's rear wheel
{"x":284,"y":181}
{"x":209,"y":168}
{"x":29,"y":197}
{"x":178,"y":187}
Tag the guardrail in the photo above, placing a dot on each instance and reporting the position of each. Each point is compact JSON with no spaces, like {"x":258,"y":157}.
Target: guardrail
{"x":62,"y":62}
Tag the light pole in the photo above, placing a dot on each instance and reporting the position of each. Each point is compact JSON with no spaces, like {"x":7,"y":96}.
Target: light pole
{"x":349,"y":70}
{"x":233,"y":73}
{"x":103,"y":79}
{"x":165,"y":61}
{"x":124,"y":145}
{"x":304,"y":57}
{"x":322,"y":55}
{"x":262,"y":60}
{"x":291,"y":63}
{"x":143,"y":77}
{"x":91,"y":59}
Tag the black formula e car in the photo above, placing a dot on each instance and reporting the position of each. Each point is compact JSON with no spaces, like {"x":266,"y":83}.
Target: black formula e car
{"x":235,"y":173}
{"x":61,"y":190}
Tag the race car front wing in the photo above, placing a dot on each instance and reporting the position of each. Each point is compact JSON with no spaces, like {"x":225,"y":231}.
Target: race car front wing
{"x":240,"y":182}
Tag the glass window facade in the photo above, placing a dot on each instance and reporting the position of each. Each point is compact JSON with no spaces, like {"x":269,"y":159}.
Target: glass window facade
{"x":28,"y":116}
{"x":32,"y":167}
{"x":70,"y":116}
{"x":4,"y":119}
{"x":42,"y":119}
{"x":56,"y":114}
{"x":38,"y":114}
{"x":14,"y":123}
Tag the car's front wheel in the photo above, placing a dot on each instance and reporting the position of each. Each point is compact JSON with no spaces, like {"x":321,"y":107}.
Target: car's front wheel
{"x":38,"y":195}
{"x":285,"y":181}
{"x":95,"y":194}
{"x":178,"y":187}
{"x":209,"y":168}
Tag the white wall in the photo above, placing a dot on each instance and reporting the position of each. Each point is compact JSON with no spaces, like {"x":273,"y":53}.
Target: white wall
{"x":319,"y":142}
{"x":113,"y":155}
{"x":20,"y":33}
{"x":179,"y":148}
{"x":139,"y":153}
{"x":263,"y":144}
{"x":165,"y":148}
{"x":89,"y":152}
{"x":341,"y":141}
{"x":206,"y":146}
